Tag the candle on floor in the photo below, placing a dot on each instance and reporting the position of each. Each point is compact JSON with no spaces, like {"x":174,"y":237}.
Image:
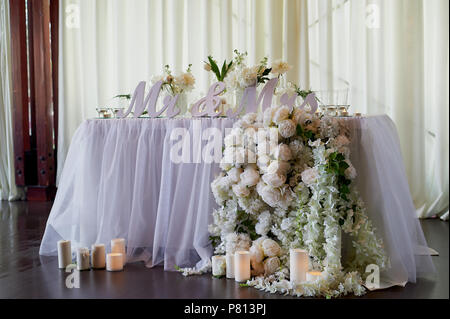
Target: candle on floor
{"x":298,"y":265}
{"x":83,"y":258}
{"x":314,"y":275}
{"x":98,"y":257}
{"x":241,"y":266}
{"x":218,"y":265}
{"x":118,"y":246}
{"x":230,"y":265}
{"x":64,"y":253}
{"x":114,"y":262}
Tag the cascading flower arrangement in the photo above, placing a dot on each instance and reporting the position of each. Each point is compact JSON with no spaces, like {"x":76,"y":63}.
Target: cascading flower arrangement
{"x":299,"y":194}
{"x":176,"y":84}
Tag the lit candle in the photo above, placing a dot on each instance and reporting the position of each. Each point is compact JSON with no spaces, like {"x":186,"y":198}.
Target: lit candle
{"x":83,"y":258}
{"x":114,"y":262}
{"x":314,"y":275}
{"x":357,"y":114}
{"x":64,"y":253}
{"x":344,"y":113}
{"x":98,"y":257}
{"x":241,"y":266}
{"x":298,"y":265}
{"x":218,"y":265}
{"x":230,"y":265}
{"x":118,"y":246}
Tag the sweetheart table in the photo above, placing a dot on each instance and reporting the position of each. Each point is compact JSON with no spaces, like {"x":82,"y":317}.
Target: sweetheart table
{"x":118,"y":181}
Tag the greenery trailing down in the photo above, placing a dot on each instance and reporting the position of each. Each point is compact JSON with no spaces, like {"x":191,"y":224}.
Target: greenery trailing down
{"x":215,"y":240}
{"x":245,"y":225}
{"x":337,"y":165}
{"x":123,"y":96}
{"x":220,"y":74}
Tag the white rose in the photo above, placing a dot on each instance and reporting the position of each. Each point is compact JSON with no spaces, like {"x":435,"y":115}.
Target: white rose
{"x":257,"y":268}
{"x":250,"y":118}
{"x":282,"y":152}
{"x":274,"y":179}
{"x":271,"y":265}
{"x":250,"y":177}
{"x":240,"y":190}
{"x":309,"y":176}
{"x":248,"y":76}
{"x":281,"y":114}
{"x":234,"y":174}
{"x":280,"y":167}
{"x":287,"y":128}
{"x":350,"y":172}
{"x":256,"y":254}
{"x":234,"y":138}
{"x":271,"y":248}
{"x":269,"y":195}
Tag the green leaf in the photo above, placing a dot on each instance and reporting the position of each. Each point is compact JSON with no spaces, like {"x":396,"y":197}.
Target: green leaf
{"x":224,"y":70}
{"x":177,"y":268}
{"x":214,"y":67}
{"x":266,"y":72}
{"x":299,"y":130}
{"x":218,"y":277}
{"x":244,"y":285}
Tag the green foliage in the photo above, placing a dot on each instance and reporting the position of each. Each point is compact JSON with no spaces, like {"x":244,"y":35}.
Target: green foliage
{"x":123,"y":96}
{"x":263,"y":77}
{"x":244,"y":285}
{"x":215,"y":240}
{"x":337,"y":165}
{"x":218,"y":277}
{"x":220,"y":74}
{"x":245,"y":225}
{"x":305,"y":134}
{"x":177,"y":268}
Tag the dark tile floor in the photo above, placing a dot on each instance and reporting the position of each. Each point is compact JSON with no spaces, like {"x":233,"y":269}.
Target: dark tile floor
{"x":25,"y":274}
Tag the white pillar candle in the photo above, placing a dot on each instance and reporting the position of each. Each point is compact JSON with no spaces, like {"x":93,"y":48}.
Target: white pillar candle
{"x":114,"y":262}
{"x":218,"y":265}
{"x":118,"y":246}
{"x":98,"y":257}
{"x":298,"y":265}
{"x":230,"y":265}
{"x":241,"y":266}
{"x":314,"y":275}
{"x":83,"y":258}
{"x":64,"y":253}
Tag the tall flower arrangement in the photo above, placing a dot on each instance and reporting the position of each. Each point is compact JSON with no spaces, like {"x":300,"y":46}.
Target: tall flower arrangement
{"x":296,"y":192}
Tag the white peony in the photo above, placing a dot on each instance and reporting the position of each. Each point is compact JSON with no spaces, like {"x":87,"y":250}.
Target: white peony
{"x":234,"y":138}
{"x":269,"y":195}
{"x":282,"y":152}
{"x":250,"y":177}
{"x":249,"y":76}
{"x":234,"y":174}
{"x":263,"y":162}
{"x":287,"y":128}
{"x":280,"y":67}
{"x":281,"y":114}
{"x":279,"y":167}
{"x":309,"y":176}
{"x":185,"y":81}
{"x":256,"y":254}
{"x":271,"y":265}
{"x":240,"y":190}
{"x":274,"y":179}
{"x":271,"y":248}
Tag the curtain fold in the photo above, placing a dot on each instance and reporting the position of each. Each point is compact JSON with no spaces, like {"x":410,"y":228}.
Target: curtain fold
{"x":393,"y":58}
{"x":8,"y":188}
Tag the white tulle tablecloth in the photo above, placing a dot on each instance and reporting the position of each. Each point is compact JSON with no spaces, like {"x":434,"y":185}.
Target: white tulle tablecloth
{"x":118,"y":181}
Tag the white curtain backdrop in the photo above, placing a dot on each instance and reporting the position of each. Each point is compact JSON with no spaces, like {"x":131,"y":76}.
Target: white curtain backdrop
{"x":108,"y":46}
{"x":8,"y":189}
{"x":392,"y":55}
{"x":394,"y":58}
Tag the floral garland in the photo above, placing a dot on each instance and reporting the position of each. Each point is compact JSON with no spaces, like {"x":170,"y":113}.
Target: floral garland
{"x":294,"y":193}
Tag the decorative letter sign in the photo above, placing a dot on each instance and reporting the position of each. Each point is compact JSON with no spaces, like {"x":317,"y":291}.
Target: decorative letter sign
{"x":210,"y":104}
